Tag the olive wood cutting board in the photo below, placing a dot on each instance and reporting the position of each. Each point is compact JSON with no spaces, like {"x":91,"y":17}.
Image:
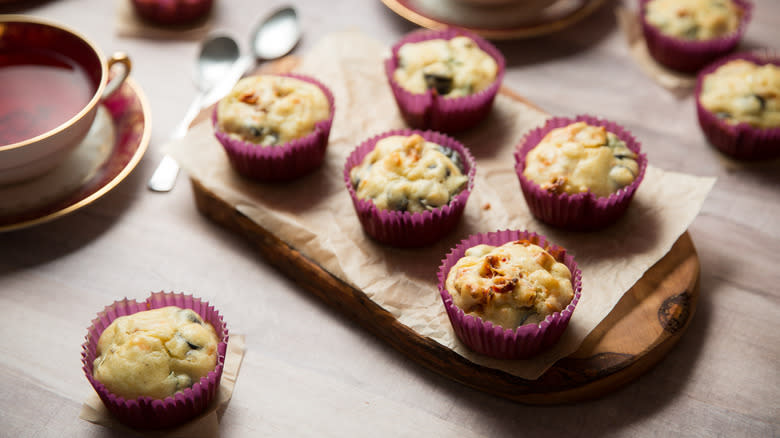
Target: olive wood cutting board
{"x":644,"y":325}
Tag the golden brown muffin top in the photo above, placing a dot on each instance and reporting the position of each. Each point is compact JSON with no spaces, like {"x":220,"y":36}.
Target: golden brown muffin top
{"x":510,"y":285}
{"x":155,"y":353}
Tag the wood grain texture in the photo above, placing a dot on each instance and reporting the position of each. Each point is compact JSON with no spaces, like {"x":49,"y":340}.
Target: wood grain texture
{"x":641,"y":329}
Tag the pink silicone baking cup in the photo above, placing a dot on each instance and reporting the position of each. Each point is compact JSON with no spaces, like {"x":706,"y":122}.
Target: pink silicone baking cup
{"x":406,"y":229}
{"x":172,"y":12}
{"x":434,"y":112}
{"x":490,"y":339}
{"x":583,"y":211}
{"x":741,"y":141}
{"x":284,"y":162}
{"x":686,"y":55}
{"x":147,"y":412}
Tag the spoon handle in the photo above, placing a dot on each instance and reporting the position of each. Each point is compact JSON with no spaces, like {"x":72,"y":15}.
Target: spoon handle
{"x":164,"y":177}
{"x":192,"y":111}
{"x":226,"y":83}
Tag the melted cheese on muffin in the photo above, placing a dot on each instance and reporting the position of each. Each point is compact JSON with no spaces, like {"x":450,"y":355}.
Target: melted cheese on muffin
{"x":579,"y":158}
{"x":409,"y":174}
{"x":694,"y":19}
{"x":271,"y":110}
{"x":741,"y":91}
{"x":155,"y":353}
{"x":511,"y":285}
{"x":453,"y":68}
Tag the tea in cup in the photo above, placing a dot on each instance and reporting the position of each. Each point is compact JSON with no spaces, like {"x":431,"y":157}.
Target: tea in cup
{"x":52,"y":80}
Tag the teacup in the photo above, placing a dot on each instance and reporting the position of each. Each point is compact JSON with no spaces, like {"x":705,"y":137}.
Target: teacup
{"x":52,"y":80}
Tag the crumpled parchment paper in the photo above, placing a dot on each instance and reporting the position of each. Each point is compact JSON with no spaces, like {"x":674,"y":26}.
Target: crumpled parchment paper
{"x":315,"y":214}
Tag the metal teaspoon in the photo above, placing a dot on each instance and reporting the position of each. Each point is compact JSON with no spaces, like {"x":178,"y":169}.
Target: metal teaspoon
{"x":217,"y":56}
{"x":272,"y":38}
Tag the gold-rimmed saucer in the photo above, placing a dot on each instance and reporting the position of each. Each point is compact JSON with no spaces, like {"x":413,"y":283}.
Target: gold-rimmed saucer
{"x":497,"y":23}
{"x":116,"y":143}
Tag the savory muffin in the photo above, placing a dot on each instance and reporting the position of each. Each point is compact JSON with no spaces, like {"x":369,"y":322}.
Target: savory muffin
{"x":452,"y":68}
{"x":409,"y":188}
{"x":155,"y":353}
{"x":269,"y":110}
{"x":581,"y":158}
{"x":509,"y":294}
{"x":741,"y":91}
{"x":579,"y":173}
{"x":172,"y":12}
{"x":694,"y":19}
{"x":444,"y":80}
{"x":738,"y":107}
{"x":686,"y":35}
{"x":408,"y":173}
{"x":510,"y":285}
{"x":275,"y":128}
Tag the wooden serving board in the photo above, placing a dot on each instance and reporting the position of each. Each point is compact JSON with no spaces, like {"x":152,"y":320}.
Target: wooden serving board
{"x":642,"y":328}
{"x":644,"y":325}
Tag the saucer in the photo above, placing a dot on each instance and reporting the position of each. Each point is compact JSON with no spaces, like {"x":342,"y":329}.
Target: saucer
{"x":113,"y":147}
{"x":496,"y":22}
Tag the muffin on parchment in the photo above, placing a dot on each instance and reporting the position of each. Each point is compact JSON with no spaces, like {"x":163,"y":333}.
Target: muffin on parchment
{"x":172,"y":12}
{"x":275,"y":127}
{"x":579,"y":174}
{"x":155,"y":353}
{"x":738,"y":105}
{"x":156,"y":363}
{"x":408,"y":187}
{"x":444,"y":80}
{"x":509,"y":294}
{"x":686,"y":35}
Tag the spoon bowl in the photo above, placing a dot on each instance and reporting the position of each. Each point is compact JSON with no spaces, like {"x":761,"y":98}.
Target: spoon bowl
{"x":274,"y":36}
{"x":217,"y":56}
{"x":277,"y":35}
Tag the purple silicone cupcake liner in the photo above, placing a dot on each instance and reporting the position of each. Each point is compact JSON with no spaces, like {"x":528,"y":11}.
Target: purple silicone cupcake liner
{"x":689,"y":56}
{"x":406,"y":229}
{"x":146,"y":412}
{"x":172,"y":12}
{"x":284,"y":162}
{"x":741,"y":141}
{"x":489,"y":339}
{"x":583,"y":211}
{"x":434,"y":112}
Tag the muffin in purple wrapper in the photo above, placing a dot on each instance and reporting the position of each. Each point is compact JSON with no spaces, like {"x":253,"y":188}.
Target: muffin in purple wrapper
{"x":172,"y":12}
{"x":199,"y":334}
{"x":675,"y":39}
{"x":738,"y":105}
{"x":433,"y":93}
{"x":579,"y":174}
{"x":509,"y":294}
{"x":275,"y":127}
{"x":409,"y":187}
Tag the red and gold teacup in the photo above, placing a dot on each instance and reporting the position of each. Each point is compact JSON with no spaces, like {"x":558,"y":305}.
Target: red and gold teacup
{"x":52,"y":80}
